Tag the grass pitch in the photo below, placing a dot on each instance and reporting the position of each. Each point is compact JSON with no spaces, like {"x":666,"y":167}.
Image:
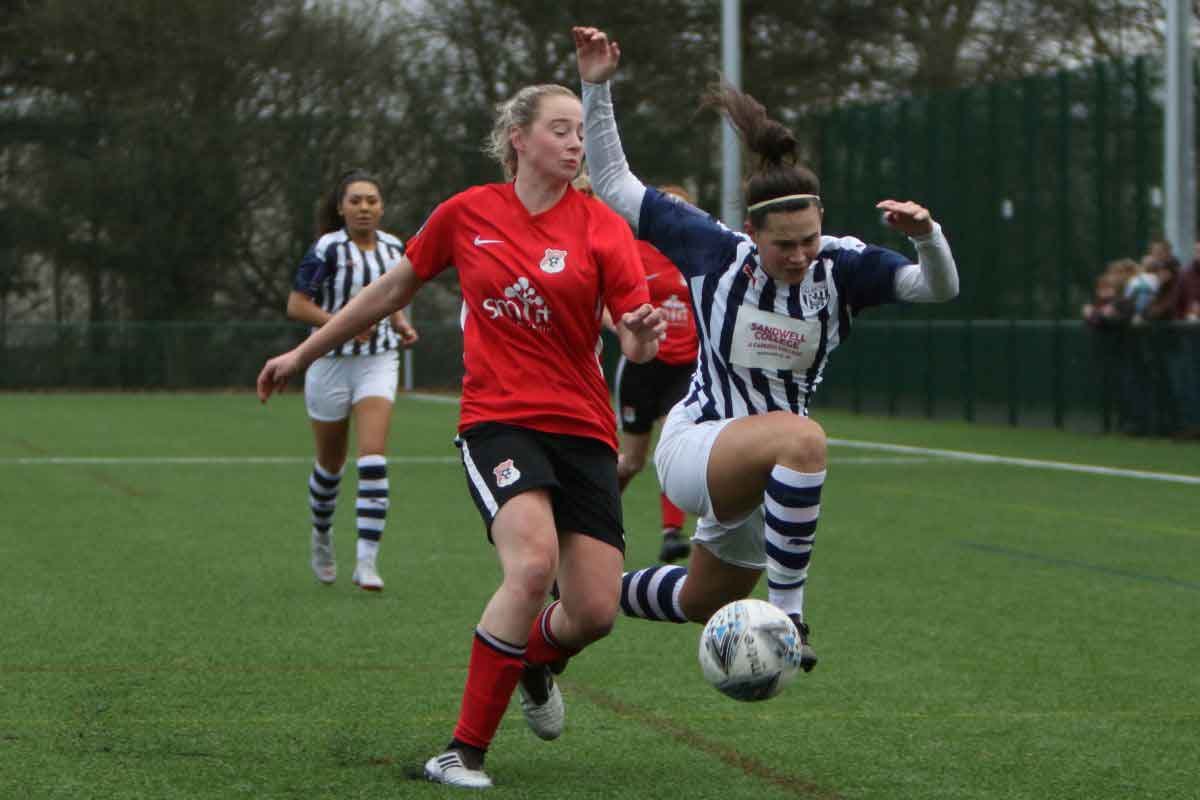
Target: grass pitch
{"x":986,"y":630}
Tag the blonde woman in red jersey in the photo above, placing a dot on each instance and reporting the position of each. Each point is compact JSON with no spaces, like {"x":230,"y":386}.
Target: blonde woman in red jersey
{"x":538,"y":264}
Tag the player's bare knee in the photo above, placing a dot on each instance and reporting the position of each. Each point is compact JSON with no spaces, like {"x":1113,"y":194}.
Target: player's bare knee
{"x":533,"y":576}
{"x":593,"y":620}
{"x":629,"y":467}
{"x":804,"y":446}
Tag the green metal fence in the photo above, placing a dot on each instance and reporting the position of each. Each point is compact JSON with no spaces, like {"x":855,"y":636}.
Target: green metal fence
{"x":1037,"y":182}
{"x":1143,"y":380}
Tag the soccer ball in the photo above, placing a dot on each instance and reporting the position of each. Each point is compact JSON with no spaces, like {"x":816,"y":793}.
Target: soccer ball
{"x":750,"y":650}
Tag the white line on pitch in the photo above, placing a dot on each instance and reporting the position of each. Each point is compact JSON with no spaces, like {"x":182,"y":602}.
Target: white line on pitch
{"x":983,"y":458}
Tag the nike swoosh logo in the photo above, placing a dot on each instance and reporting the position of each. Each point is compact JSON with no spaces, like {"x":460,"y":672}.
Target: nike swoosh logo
{"x":480,"y":242}
{"x":652,"y":276}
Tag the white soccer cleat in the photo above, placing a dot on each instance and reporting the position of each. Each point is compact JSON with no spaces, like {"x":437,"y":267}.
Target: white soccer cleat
{"x":547,"y":718}
{"x":367,"y":577}
{"x":448,"y":768}
{"x":324,"y":565}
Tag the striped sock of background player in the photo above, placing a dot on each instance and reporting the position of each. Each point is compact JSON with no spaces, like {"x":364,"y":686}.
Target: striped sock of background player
{"x":653,"y":593}
{"x":492,"y":676}
{"x":322,"y":498}
{"x":790,"y":511}
{"x":372,"y":505}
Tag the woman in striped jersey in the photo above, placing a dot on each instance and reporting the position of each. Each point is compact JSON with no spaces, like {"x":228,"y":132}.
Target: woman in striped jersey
{"x":770,"y":305}
{"x":355,"y":379}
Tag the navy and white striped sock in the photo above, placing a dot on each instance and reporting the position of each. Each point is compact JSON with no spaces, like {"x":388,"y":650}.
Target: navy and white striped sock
{"x":372,"y":504}
{"x":653,"y":593}
{"x":322,"y":497}
{"x":790,"y":511}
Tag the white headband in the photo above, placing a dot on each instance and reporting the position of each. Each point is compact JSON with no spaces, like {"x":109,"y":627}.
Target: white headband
{"x":784,"y":199}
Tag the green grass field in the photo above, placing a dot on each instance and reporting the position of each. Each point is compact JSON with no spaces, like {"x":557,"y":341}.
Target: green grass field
{"x":986,"y":630}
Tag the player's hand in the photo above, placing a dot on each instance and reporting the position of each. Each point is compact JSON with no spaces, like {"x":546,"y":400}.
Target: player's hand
{"x":597,"y":56}
{"x":646,"y":323}
{"x":908,"y":217}
{"x":407,"y":333}
{"x":275,"y":374}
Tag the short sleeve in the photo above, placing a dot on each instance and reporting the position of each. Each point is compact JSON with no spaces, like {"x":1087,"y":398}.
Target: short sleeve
{"x":312,"y":271}
{"x":694,"y":241}
{"x":431,"y":250}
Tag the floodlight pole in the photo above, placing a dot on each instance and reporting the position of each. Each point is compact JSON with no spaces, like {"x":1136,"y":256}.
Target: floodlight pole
{"x":731,"y":154}
{"x":1179,"y":162}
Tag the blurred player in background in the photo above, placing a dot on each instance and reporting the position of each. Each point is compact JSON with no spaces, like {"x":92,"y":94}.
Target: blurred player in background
{"x":771,"y":304}
{"x":356,"y":378}
{"x":538,"y":263}
{"x":646,"y":392}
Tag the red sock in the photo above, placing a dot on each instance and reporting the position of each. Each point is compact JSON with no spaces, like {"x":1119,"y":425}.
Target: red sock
{"x":672,"y":515}
{"x":492,"y":677}
{"x":542,"y":647}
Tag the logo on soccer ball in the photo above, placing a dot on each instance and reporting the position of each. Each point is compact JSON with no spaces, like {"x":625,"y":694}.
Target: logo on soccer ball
{"x":506,"y":474}
{"x":554,"y":261}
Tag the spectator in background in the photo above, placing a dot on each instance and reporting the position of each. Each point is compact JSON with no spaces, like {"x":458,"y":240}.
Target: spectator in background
{"x":1178,"y":303}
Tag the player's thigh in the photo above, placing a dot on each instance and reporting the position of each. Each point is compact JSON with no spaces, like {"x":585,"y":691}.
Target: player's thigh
{"x":747,"y":449}
{"x":589,"y":578}
{"x":525,"y":537}
{"x":712,"y":582}
{"x":372,"y":421}
{"x":332,"y":440}
{"x":635,"y":447}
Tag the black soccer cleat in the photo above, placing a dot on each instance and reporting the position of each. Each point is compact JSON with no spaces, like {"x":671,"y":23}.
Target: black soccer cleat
{"x":808,"y":656}
{"x":674,"y":546}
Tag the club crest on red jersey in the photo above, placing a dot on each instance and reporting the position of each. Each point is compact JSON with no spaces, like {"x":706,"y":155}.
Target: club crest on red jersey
{"x":506,"y":473}
{"x":554,"y":261}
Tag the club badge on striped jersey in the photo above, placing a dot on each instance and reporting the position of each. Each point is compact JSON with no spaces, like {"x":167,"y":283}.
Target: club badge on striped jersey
{"x":506,"y":473}
{"x":554,"y":261}
{"x":814,"y":295}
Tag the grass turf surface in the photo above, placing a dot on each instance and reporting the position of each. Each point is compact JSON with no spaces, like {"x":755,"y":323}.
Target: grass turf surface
{"x":985,"y":630}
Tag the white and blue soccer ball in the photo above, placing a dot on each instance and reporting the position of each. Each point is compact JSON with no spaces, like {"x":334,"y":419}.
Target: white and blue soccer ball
{"x":749,"y":650}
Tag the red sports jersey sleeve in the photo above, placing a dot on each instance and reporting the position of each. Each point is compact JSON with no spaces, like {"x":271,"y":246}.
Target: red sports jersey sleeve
{"x":432,"y":249}
{"x":669,"y":292}
{"x":533,"y":289}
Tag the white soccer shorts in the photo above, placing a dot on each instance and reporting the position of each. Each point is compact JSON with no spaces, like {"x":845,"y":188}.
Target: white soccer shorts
{"x":681,"y":459}
{"x":334,"y":384}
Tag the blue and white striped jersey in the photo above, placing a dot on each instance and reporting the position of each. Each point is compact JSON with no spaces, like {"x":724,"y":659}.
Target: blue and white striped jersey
{"x":763,"y":345}
{"x":335,"y":270}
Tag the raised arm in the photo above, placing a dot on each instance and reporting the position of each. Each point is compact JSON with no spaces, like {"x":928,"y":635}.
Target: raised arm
{"x":611,"y":177}
{"x":934,"y":278}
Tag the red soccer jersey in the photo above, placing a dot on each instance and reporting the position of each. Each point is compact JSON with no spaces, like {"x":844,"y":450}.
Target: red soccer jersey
{"x":669,"y":291}
{"x":533,"y":292}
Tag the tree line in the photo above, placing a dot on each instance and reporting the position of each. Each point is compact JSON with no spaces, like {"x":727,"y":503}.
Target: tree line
{"x":162,"y":161}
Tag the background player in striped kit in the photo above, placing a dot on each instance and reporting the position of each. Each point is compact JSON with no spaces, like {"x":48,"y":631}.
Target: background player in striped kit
{"x":646,"y":392}
{"x":537,"y":264}
{"x":355,"y":379}
{"x":771,"y":304}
